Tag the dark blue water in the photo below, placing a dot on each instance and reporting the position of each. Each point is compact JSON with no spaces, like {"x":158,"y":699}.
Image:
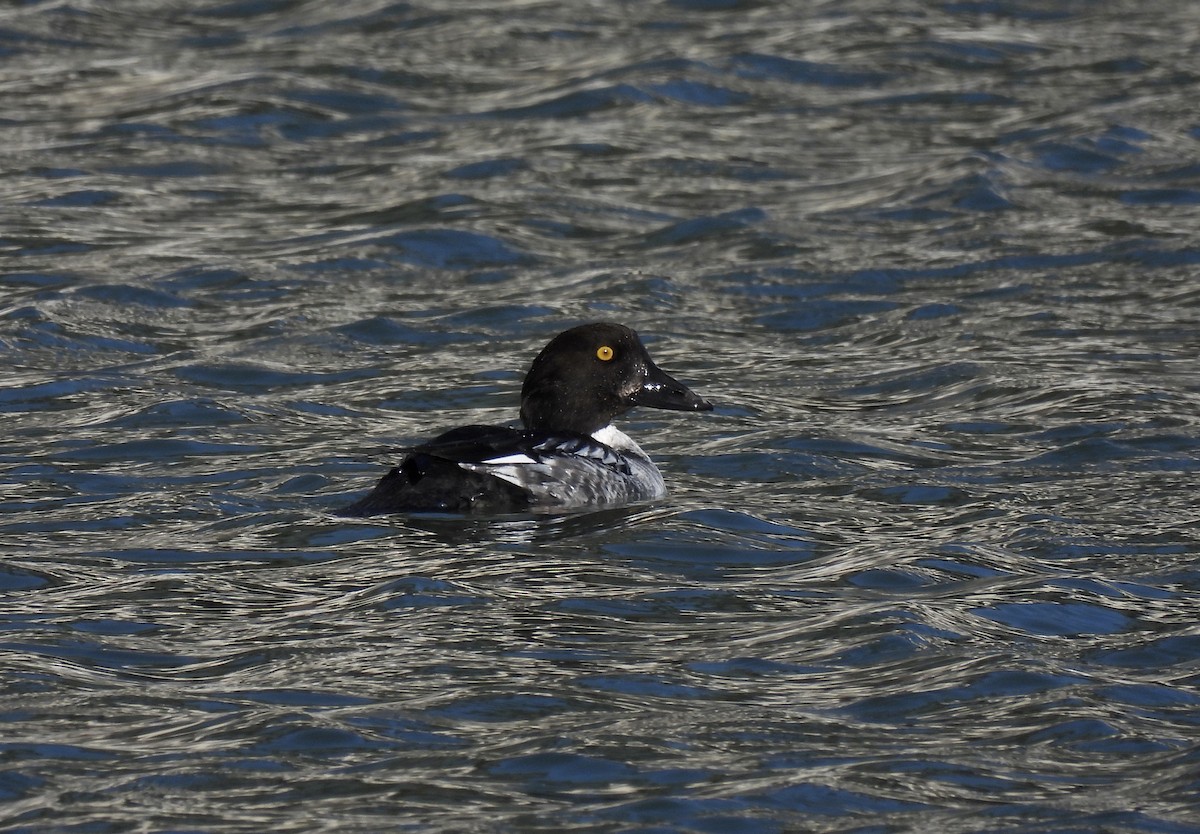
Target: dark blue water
{"x":931,"y":565}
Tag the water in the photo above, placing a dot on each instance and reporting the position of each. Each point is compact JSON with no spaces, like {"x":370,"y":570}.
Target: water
{"x":931,"y":565}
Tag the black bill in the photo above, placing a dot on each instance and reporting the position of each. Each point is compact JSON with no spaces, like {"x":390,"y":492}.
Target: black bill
{"x":662,"y":391}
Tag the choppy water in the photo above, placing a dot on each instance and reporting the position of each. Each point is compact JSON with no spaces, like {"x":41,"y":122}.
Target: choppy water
{"x":930,"y":566}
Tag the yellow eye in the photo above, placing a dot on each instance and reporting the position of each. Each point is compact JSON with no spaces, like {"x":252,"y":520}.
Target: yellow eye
{"x":604,"y":353}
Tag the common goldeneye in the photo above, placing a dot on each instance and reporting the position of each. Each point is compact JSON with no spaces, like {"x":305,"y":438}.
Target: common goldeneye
{"x":568,"y":454}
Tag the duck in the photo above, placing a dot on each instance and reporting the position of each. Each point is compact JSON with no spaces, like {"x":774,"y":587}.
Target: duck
{"x":565,"y":454}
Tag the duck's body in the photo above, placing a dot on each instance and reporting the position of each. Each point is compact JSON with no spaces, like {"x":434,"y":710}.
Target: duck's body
{"x":568,"y":455}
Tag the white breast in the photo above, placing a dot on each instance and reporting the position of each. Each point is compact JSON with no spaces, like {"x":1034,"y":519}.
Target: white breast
{"x":613,"y":437}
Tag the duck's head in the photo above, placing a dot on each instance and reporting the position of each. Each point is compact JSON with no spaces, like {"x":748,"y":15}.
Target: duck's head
{"x":591,"y":374}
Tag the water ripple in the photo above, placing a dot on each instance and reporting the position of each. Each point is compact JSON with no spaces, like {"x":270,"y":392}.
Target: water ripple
{"x":930,"y":563}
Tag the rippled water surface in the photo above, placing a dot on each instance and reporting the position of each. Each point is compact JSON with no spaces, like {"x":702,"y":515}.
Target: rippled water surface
{"x":931,"y":565}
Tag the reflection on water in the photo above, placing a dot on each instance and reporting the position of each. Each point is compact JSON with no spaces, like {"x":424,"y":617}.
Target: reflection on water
{"x":930,"y":564}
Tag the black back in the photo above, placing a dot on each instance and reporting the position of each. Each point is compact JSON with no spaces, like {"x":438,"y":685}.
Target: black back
{"x":431,"y":480}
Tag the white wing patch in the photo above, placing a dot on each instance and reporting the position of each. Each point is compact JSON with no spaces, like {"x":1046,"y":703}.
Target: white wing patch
{"x":519,"y":457}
